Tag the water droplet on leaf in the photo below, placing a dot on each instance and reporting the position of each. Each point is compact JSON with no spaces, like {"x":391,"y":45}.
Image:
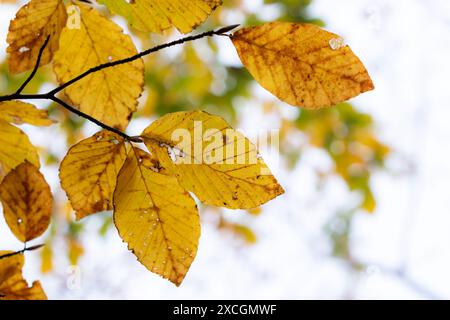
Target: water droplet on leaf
{"x":336,"y":43}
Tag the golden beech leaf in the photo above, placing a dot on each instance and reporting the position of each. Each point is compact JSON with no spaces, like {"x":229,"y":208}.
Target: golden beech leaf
{"x":109,"y":95}
{"x":159,"y":15}
{"x":12,"y":284}
{"x":34,"y":22}
{"x":27,"y":202}
{"x":215,"y":162}
{"x":156,"y":217}
{"x":15,"y":148}
{"x":19,"y":112}
{"x":89,"y":172}
{"x":302,"y":64}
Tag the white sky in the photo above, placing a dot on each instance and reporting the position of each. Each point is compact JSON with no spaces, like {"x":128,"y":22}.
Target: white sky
{"x":405,"y":46}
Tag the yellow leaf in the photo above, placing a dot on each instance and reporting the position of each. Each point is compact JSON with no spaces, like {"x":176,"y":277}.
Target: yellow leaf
{"x":27,"y":202}
{"x":34,"y":22}
{"x":12,"y":284}
{"x":89,"y":172}
{"x":19,"y":112}
{"x":156,"y":217}
{"x":76,"y":251}
{"x":15,"y":148}
{"x":369,"y":202}
{"x":216,"y":163}
{"x":159,"y":15}
{"x":245,"y":232}
{"x":302,"y":64}
{"x":47,"y":259}
{"x":239,"y":230}
{"x":109,"y":95}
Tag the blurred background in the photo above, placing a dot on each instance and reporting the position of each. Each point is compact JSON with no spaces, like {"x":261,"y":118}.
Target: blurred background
{"x":366,"y":214}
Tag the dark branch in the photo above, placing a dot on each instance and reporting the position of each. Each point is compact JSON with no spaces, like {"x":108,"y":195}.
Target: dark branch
{"x":21,"y":251}
{"x":92,"y":119}
{"x":36,"y":67}
{"x":51,"y":95}
{"x":70,"y":108}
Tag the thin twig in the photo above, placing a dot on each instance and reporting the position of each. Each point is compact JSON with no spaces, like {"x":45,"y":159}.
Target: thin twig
{"x":72,"y":109}
{"x":51,"y":95}
{"x":36,"y":66}
{"x":403,"y":276}
{"x":8,"y":255}
{"x":400,"y":274}
{"x":92,"y":119}
{"x":211,"y":33}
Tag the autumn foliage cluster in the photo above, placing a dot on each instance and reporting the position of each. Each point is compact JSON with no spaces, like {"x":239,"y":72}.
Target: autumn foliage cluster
{"x":145,"y":179}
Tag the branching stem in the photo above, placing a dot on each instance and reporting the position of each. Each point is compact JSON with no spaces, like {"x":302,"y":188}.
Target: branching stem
{"x":51,"y":95}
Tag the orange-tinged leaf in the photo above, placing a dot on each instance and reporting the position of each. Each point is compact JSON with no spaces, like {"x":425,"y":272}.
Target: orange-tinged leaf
{"x":20,"y":112}
{"x":15,"y":148}
{"x":34,"y":22}
{"x":109,"y":95}
{"x":12,"y":284}
{"x":27,"y":202}
{"x":156,"y":217}
{"x":302,"y":64}
{"x":218,"y":164}
{"x":159,"y":15}
{"x":89,"y":172}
